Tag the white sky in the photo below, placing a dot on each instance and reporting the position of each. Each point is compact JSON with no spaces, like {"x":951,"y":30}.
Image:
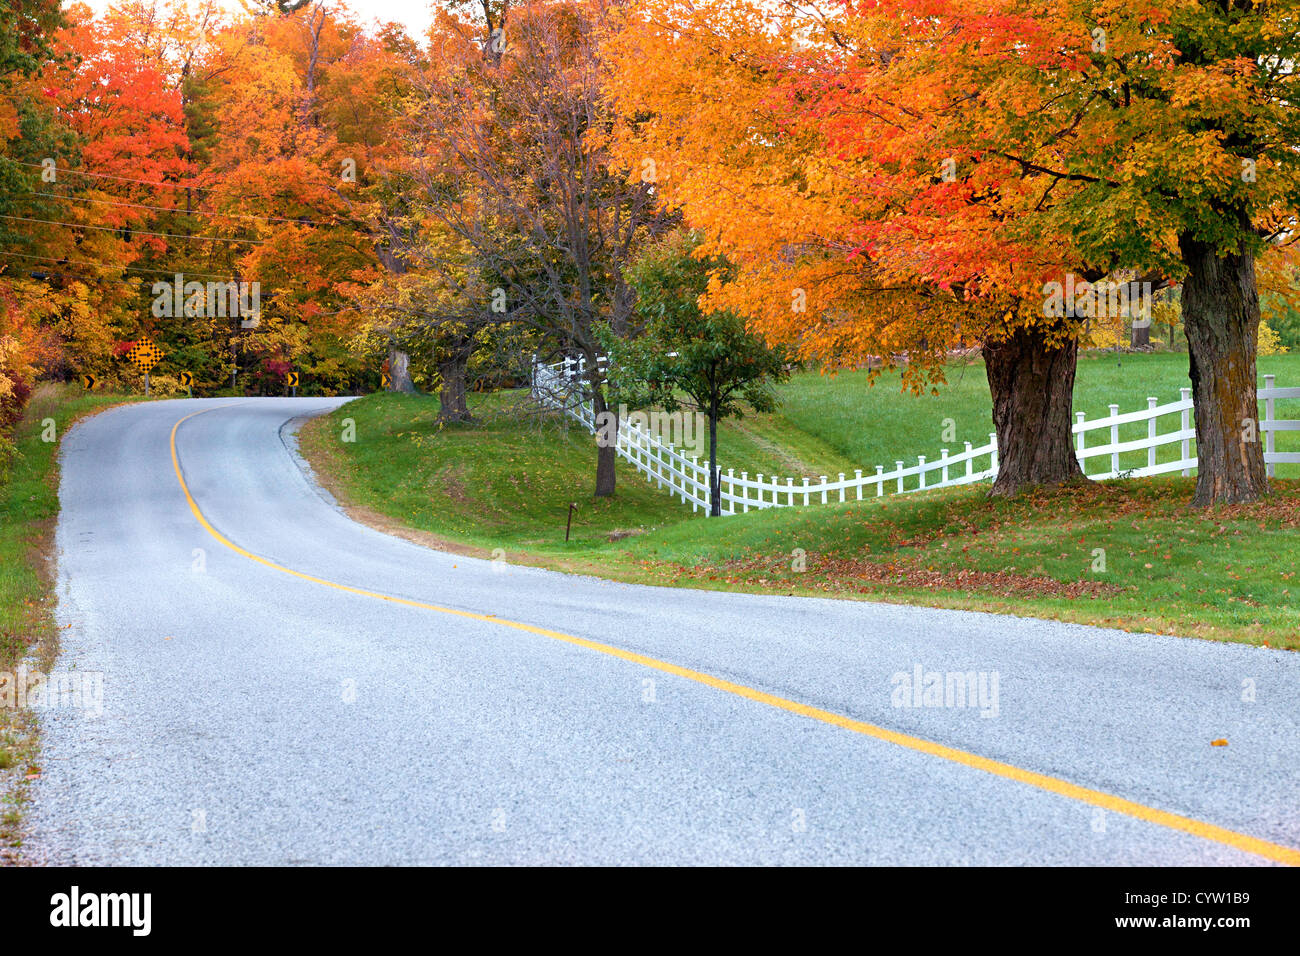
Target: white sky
{"x":414,"y":14}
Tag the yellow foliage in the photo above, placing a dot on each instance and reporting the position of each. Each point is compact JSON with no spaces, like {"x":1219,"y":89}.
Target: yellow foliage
{"x":1270,"y":343}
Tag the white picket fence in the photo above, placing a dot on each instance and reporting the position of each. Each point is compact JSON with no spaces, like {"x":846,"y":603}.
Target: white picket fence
{"x":559,"y":386}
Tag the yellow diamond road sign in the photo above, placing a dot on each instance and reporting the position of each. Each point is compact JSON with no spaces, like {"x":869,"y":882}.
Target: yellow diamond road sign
{"x":145,"y":355}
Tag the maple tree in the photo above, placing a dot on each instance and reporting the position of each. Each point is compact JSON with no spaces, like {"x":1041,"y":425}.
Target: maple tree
{"x":1159,"y":139}
{"x":772,"y":127}
{"x":27,"y":131}
{"x":507,"y":188}
{"x":863,"y":154}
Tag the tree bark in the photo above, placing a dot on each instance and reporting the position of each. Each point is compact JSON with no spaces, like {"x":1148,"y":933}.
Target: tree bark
{"x":1221,"y":322}
{"x":1032,"y":385}
{"x":452,"y":399}
{"x":606,"y":456}
{"x":399,"y":371}
{"x":1140,"y":336}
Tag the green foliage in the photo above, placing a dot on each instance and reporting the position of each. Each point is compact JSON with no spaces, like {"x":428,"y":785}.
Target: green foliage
{"x":685,"y":356}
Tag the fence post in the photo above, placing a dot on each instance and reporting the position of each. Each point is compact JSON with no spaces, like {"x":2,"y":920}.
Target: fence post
{"x":1186,"y":393}
{"x":841,"y":486}
{"x":880,"y":480}
{"x":858,"y":475}
{"x":1151,"y":432}
{"x":1081,"y":441}
{"x":1268,"y":421}
{"x":823,"y":489}
{"x":759,"y":489}
{"x":921,"y":472}
{"x":993,"y":455}
{"x":970,"y":462}
{"x":789,"y":487}
{"x":899,"y":467}
{"x":805,"y":492}
{"x":943,"y":458}
{"x":1114,"y":440}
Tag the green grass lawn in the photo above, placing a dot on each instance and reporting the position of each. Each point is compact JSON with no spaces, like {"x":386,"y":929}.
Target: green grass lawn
{"x":29,"y":505}
{"x":842,"y":423}
{"x":506,"y":483}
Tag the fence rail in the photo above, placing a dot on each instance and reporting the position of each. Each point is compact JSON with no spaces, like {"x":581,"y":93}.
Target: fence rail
{"x":559,"y":386}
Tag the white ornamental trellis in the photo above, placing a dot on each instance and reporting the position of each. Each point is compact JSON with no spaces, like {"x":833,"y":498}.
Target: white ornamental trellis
{"x":558,"y":386}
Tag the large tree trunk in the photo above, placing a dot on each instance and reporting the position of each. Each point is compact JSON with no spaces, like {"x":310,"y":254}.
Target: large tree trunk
{"x":1139,"y":336}
{"x":399,"y":371}
{"x":451,"y":391}
{"x":1221,"y":321}
{"x":1032,"y":384}
{"x":606,"y":453}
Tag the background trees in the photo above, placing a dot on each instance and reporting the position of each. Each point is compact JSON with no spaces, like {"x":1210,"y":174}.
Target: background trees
{"x":508,"y":162}
{"x":887,"y":182}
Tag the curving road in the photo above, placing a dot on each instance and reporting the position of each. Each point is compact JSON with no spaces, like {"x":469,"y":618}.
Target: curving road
{"x":263,"y":703}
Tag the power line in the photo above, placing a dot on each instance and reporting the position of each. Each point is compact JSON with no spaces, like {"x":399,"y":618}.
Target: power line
{"x":135,"y":232}
{"x":186,"y":212}
{"x":107,"y":265}
{"x":124,"y":179}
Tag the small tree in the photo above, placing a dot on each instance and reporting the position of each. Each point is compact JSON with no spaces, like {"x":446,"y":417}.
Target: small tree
{"x":708,"y":362}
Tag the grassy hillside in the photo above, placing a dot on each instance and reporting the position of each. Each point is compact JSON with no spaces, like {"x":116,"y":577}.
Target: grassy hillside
{"x":1226,"y":573}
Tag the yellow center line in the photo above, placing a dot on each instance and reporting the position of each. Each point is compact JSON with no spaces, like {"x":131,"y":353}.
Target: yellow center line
{"x":1096,"y":798}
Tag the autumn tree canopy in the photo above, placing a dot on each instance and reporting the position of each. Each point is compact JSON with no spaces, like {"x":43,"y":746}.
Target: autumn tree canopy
{"x":888,"y":183}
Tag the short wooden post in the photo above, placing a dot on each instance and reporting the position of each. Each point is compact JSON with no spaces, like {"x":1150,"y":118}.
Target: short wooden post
{"x":1151,"y":432}
{"x":1186,"y":425}
{"x":1114,"y":440}
{"x":1267,"y":426}
{"x":1080,"y":440}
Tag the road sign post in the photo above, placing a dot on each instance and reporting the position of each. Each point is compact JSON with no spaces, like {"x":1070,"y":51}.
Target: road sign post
{"x":144,"y":355}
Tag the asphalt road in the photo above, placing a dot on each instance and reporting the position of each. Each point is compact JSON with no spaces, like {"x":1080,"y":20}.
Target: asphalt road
{"x":256,"y":716}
